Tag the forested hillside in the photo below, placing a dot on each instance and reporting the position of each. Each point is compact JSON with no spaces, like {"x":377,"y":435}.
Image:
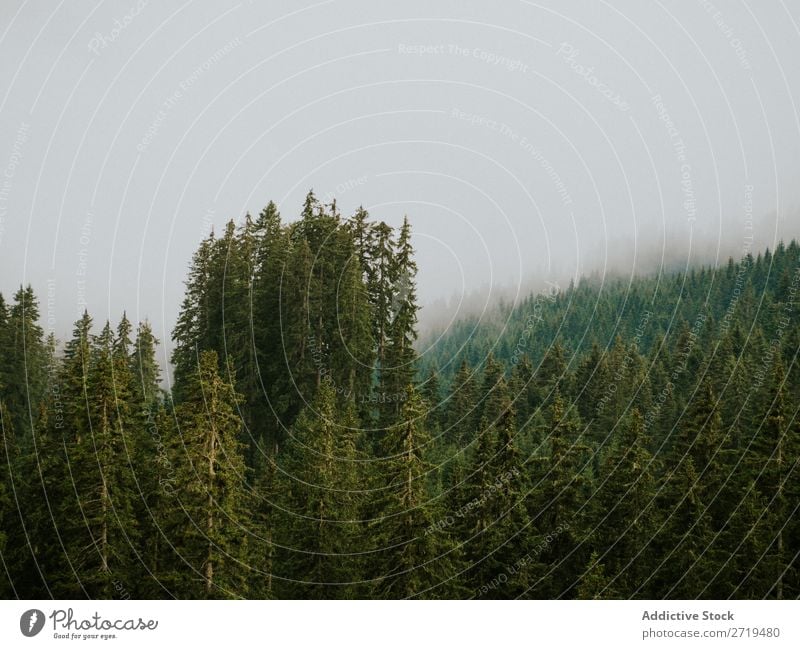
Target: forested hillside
{"x":633,"y":439}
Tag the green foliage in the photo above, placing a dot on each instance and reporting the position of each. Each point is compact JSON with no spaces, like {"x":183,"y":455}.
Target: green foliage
{"x":317,"y":493}
{"x":624,"y":439}
{"x":209,"y":526}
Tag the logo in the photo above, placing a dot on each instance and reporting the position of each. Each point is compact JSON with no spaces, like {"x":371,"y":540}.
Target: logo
{"x":31,"y":622}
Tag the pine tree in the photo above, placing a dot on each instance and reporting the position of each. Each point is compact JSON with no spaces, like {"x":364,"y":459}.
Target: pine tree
{"x":145,"y":368}
{"x":460,"y":407}
{"x":352,"y":349}
{"x":304,"y":355}
{"x":210,"y":528}
{"x":149,"y":459}
{"x":493,"y":519}
{"x":550,"y":376}
{"x":103,"y":535}
{"x":239,"y":341}
{"x":559,"y":486}
{"x":36,"y":555}
{"x":626,"y":515}
{"x":57,"y":525}
{"x":775,"y":457}
{"x":431,"y":393}
{"x":690,"y":499}
{"x":7,"y":504}
{"x":263,"y":549}
{"x":683,"y":570}
{"x":398,"y":368}
{"x":192,"y":330}
{"x":521,"y":385}
{"x":413,"y":556}
{"x":317,"y":533}
{"x":270,"y":277}
{"x":381,"y":284}
{"x":595,"y":583}
{"x":23,"y":359}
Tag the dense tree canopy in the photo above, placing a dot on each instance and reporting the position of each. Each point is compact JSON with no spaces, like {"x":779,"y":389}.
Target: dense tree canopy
{"x":610,"y":440}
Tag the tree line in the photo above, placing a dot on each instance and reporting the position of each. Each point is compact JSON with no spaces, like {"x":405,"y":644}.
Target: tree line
{"x":611,"y":440}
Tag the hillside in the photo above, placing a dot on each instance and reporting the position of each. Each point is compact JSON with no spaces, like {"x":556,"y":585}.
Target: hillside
{"x":615,"y":440}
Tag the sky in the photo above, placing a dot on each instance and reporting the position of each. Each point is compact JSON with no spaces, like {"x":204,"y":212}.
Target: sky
{"x":528,"y":142}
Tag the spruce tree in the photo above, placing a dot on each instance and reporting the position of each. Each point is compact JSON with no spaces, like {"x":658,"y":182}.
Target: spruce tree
{"x":7,"y":504}
{"x":774,"y":460}
{"x":398,"y":368}
{"x":626,"y":508}
{"x":413,"y":556}
{"x":460,"y":407}
{"x":270,"y":277}
{"x":317,"y":531}
{"x":103,"y":535}
{"x":24,"y":360}
{"x":492,"y":520}
{"x":560,"y":487}
{"x":192,"y":329}
{"x":210,"y":526}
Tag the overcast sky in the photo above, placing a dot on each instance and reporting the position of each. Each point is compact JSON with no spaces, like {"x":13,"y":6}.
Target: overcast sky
{"x":523,"y":139}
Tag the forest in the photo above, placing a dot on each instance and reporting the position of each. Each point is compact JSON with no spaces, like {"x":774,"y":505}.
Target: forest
{"x":617,"y":438}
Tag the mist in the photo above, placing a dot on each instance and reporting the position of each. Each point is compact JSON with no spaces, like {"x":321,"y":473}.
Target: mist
{"x":528,"y":143}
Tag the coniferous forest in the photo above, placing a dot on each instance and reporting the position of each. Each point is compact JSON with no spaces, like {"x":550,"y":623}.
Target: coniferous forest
{"x":633,"y":438}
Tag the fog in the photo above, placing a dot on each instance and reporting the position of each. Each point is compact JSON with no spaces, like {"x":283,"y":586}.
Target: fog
{"x":527,"y":142}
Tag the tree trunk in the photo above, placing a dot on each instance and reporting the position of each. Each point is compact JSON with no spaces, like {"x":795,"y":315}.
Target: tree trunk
{"x":209,"y":568}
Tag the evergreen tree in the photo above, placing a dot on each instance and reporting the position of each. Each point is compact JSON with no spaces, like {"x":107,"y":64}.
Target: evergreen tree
{"x":210,"y":527}
{"x":7,"y":504}
{"x":460,"y":407}
{"x":103,"y":536}
{"x":192,"y":330}
{"x":775,"y":457}
{"x":560,"y":482}
{"x":626,"y":515}
{"x":381,"y":285}
{"x":316,"y":482}
{"x":413,"y":556}
{"x":24,"y":360}
{"x":493,"y":520}
{"x":398,"y":368}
